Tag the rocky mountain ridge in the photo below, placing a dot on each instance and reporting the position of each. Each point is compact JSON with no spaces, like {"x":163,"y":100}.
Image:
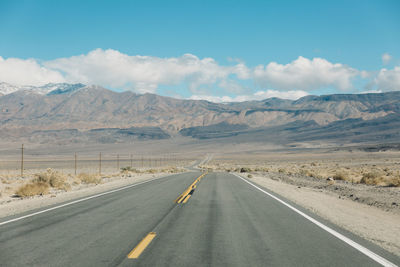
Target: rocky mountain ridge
{"x":85,"y":108}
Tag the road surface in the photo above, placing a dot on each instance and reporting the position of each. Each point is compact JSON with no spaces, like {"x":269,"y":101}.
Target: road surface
{"x":225,"y":221}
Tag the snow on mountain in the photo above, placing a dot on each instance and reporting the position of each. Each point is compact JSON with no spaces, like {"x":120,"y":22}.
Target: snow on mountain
{"x":47,"y":89}
{"x":6,"y":88}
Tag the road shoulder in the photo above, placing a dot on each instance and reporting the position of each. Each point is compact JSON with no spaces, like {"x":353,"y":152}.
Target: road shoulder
{"x":371,"y":223}
{"x":21,"y":205}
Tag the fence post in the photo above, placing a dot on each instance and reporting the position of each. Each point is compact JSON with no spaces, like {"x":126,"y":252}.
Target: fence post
{"x":22,"y":160}
{"x":100,"y":163}
{"x":75,"y":163}
{"x":131,"y":162}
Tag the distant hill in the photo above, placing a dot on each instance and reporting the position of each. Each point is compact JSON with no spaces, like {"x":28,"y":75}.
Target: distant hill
{"x":50,"y":112}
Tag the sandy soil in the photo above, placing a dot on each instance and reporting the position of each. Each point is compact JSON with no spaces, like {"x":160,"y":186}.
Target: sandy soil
{"x":10,"y":205}
{"x":373,"y":223}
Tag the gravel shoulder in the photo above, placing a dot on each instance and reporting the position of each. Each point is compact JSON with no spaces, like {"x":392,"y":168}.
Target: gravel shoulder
{"x":367,"y":211}
{"x":12,"y":206}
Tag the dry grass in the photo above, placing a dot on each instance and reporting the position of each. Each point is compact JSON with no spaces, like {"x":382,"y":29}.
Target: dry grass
{"x":53,"y":178}
{"x":127,"y":170}
{"x":33,"y":189}
{"x":364,"y":168}
{"x":89,"y":178}
{"x":341,"y":176}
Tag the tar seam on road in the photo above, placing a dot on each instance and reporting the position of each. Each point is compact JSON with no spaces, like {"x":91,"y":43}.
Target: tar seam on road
{"x":77,"y":201}
{"x":362,"y":249}
{"x":184,"y":197}
{"x":135,"y":253}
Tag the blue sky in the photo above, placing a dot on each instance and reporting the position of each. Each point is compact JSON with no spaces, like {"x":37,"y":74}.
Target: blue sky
{"x":234,"y":34}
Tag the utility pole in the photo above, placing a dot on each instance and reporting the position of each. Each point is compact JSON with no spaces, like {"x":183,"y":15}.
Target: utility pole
{"x":100,"y":163}
{"x":22,"y":160}
{"x":75,"y":163}
{"x":131,"y":162}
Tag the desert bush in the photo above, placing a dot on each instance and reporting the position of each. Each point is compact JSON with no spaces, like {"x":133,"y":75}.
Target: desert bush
{"x":129,"y":169}
{"x":394,"y":182}
{"x":152,"y":171}
{"x":33,"y":189}
{"x":89,"y":178}
{"x":245,"y":169}
{"x":340,"y":176}
{"x":52,"y":178}
{"x":249,"y":176}
{"x":371,"y":178}
{"x":281,"y":170}
{"x":303,"y":172}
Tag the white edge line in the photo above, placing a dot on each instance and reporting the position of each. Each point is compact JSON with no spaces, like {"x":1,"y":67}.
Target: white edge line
{"x":362,"y":249}
{"x":79,"y":200}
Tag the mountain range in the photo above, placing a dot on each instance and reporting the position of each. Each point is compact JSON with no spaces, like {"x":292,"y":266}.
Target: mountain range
{"x":80,"y":113}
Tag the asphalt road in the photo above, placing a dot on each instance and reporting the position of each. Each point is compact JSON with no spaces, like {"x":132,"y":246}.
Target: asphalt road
{"x":225,"y":222}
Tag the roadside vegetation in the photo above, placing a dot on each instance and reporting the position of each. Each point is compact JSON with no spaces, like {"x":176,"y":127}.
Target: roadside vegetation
{"x":52,"y":181}
{"x":386,"y":174}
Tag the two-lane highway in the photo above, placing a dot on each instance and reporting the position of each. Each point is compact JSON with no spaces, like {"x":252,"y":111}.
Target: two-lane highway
{"x":225,"y":221}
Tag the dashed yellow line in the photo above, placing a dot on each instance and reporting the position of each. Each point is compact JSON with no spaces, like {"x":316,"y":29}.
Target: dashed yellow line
{"x":135,"y":253}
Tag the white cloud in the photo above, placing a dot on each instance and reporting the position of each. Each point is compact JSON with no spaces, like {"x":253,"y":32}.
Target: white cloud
{"x":388,"y":80}
{"x":292,"y":94}
{"x":27,"y":72}
{"x":305,"y":74}
{"x":386,"y":57}
{"x":260,"y":95}
{"x":113,"y":69}
{"x":371,"y":92}
{"x":143,"y":73}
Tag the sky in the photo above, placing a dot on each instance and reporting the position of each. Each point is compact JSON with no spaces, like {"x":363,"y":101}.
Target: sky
{"x":216,"y":50}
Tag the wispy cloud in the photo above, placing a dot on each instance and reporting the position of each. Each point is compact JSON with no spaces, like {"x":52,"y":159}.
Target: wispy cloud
{"x":386,"y":58}
{"x":259,"y":95}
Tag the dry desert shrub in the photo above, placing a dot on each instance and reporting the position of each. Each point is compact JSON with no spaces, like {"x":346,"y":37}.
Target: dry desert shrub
{"x":5,"y":181}
{"x":341,"y":176}
{"x":33,"y":189}
{"x":372,"y":178}
{"x":129,"y":169}
{"x":151,"y":171}
{"x":393,"y":181}
{"x":245,"y":169}
{"x":89,"y":178}
{"x":281,"y":170}
{"x":172,"y":170}
{"x":375,"y":178}
{"x":53,"y":178}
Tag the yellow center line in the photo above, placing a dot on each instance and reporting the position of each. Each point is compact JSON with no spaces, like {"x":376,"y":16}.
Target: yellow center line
{"x":186,"y":199}
{"x":135,"y":253}
{"x":183,"y":198}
